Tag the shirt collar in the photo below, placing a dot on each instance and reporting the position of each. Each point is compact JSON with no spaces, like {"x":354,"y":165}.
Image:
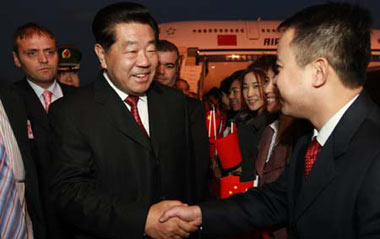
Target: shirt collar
{"x":120,"y":93}
{"x":53,"y":88}
{"x":328,"y":128}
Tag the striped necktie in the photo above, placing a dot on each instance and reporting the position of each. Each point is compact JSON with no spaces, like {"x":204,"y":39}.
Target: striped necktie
{"x":132,"y":102}
{"x":12,"y":216}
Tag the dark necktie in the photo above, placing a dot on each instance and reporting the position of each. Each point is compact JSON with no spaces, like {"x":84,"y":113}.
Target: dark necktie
{"x":132,"y":102}
{"x":311,"y":155}
{"x":12,"y":216}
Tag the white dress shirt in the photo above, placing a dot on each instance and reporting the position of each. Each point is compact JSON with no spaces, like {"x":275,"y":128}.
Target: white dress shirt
{"x":142,"y":104}
{"x":55,"y":88}
{"x":328,"y":128}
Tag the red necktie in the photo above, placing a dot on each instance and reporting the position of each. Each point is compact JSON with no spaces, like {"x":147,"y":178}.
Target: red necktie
{"x":47,"y":98}
{"x":132,"y":101}
{"x":311,"y":155}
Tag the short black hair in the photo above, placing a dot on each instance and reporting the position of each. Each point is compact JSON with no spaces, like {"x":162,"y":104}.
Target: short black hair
{"x":103,"y":25}
{"x":265,"y":62}
{"x":28,"y":30}
{"x":339,"y":32}
{"x":226,"y":83}
{"x":165,"y":45}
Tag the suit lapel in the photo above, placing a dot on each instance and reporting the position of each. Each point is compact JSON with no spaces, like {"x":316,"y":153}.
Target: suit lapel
{"x":296,"y":172}
{"x":33,"y":100}
{"x":324,"y":169}
{"x":156,"y":116}
{"x":117,"y":112}
{"x":321,"y":175}
{"x":35,"y":110}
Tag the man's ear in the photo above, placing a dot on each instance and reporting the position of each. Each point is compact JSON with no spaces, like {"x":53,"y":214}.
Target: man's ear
{"x":320,"y":68}
{"x":15,"y":59}
{"x":100,"y":52}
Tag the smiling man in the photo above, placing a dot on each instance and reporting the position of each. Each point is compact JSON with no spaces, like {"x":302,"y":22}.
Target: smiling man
{"x":331,"y":187}
{"x":122,"y":144}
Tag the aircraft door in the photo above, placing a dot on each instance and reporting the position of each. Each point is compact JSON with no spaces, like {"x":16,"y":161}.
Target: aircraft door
{"x":252,"y":30}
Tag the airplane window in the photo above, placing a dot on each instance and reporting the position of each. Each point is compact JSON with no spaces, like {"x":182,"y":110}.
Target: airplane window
{"x":220,"y":30}
{"x":262,"y":30}
{"x":273,"y":30}
{"x":236,"y":30}
{"x":215,"y":30}
{"x":242,"y":30}
{"x":231,"y":30}
{"x":268,"y":30}
{"x":204,"y":30}
{"x":199,"y":30}
{"x":225,"y":30}
{"x":209,"y":30}
{"x":194,"y":30}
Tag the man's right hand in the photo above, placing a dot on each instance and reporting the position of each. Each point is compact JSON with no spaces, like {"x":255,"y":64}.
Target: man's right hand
{"x":191,"y":214}
{"x":171,"y":228}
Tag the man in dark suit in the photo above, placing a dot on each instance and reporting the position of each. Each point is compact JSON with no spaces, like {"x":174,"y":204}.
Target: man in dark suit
{"x":323,"y":55}
{"x":13,"y":128}
{"x":35,"y":52}
{"x":121,"y":144}
{"x":167,"y":74}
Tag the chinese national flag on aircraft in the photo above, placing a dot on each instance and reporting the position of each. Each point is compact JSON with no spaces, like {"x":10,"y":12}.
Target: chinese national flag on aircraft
{"x":227,"y":40}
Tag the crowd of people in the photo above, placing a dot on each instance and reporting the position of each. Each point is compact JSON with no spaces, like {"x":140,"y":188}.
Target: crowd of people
{"x":286,"y":148}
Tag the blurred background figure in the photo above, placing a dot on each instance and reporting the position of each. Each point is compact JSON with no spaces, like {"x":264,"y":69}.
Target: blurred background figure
{"x":69,"y":65}
{"x":225,"y":90}
{"x":168,"y":63}
{"x":183,"y":86}
{"x":167,"y":74}
{"x":234,"y":93}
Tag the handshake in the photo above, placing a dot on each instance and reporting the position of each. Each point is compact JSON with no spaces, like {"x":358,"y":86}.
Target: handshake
{"x":172,"y":219}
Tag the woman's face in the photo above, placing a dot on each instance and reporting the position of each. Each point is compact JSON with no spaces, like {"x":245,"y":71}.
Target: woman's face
{"x":252,"y":92}
{"x":271,"y":93}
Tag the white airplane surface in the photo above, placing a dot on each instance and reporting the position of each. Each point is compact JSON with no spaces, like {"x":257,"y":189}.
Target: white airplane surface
{"x":212,"y":50}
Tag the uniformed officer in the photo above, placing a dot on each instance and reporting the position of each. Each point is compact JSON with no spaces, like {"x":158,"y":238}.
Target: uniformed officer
{"x":69,"y":65}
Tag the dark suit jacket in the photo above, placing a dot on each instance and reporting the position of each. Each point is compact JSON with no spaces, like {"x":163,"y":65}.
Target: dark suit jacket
{"x":249,"y":137}
{"x":40,"y":146}
{"x":15,"y":110}
{"x":200,"y":147}
{"x":340,"y":199}
{"x":107,"y":172}
{"x":281,"y":152}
